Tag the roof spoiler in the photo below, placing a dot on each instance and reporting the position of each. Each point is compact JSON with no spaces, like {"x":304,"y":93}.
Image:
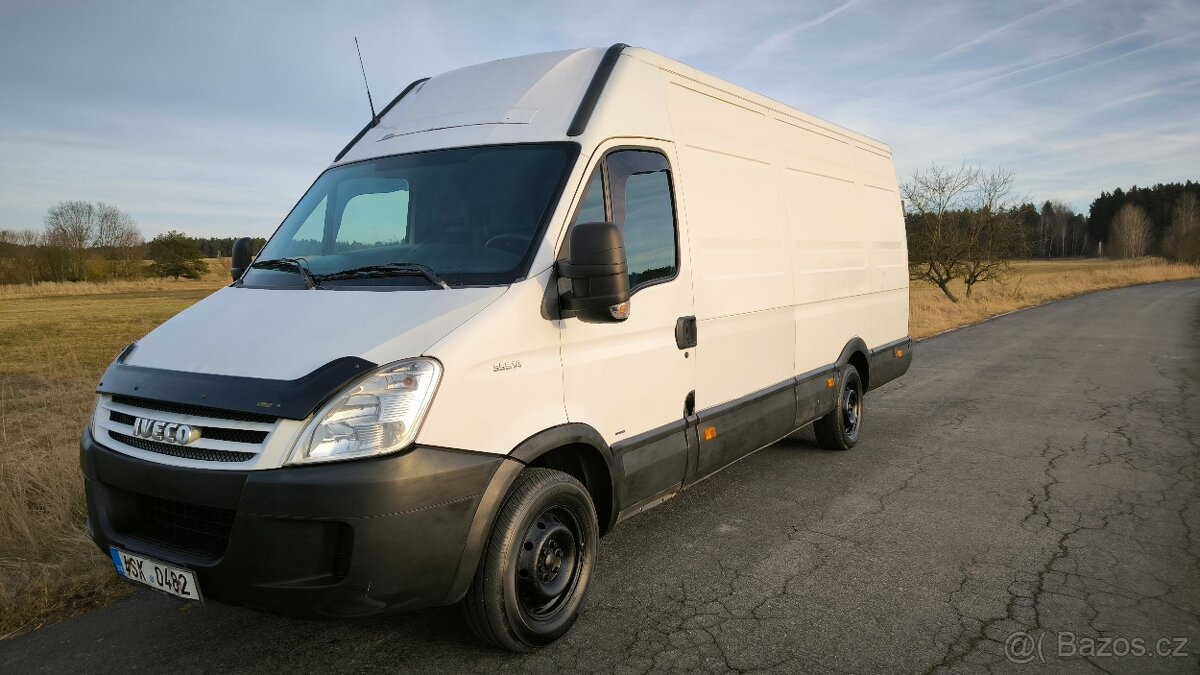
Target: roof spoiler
{"x":375,"y":120}
{"x":595,"y":88}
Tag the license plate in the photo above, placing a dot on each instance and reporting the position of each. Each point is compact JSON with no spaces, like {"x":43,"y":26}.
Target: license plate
{"x":159,"y":576}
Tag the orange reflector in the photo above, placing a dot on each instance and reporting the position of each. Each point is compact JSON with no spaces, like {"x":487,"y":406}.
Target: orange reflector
{"x":899,"y":353}
{"x":829,"y":383}
{"x":710,"y":433}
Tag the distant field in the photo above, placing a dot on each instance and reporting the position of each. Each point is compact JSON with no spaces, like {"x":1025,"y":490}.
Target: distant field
{"x":57,"y":339}
{"x":217,"y":276}
{"x":1032,"y":283}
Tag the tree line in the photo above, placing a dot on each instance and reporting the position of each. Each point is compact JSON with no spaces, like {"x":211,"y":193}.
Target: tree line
{"x":95,"y":241}
{"x":1162,"y":219}
{"x":964,"y":225}
{"x":80,"y":241}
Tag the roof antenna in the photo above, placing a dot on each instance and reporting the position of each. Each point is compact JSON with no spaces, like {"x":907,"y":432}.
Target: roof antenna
{"x":370,"y":101}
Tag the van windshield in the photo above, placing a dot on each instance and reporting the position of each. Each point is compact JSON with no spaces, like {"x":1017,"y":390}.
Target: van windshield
{"x":463,"y":216}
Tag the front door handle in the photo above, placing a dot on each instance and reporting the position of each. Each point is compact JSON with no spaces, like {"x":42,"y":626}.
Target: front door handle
{"x":685,"y":332}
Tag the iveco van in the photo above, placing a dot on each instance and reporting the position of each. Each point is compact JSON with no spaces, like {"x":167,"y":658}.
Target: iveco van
{"x":531,"y":298}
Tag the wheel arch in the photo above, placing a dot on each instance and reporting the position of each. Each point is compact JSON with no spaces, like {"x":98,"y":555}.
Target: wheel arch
{"x":579,"y":450}
{"x":856,"y":354}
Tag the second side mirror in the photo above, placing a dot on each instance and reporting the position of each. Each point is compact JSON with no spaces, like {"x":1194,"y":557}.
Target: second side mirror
{"x":241,"y":257}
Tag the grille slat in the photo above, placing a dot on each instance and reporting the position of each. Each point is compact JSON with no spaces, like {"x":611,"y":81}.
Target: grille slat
{"x":201,"y":454}
{"x":187,"y":419}
{"x":196,"y":410}
{"x":215,"y":433}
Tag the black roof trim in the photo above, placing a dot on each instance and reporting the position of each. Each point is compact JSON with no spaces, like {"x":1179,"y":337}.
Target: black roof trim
{"x":375,"y":120}
{"x":592,"y":95}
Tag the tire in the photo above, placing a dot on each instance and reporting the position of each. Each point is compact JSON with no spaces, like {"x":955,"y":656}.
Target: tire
{"x":839,"y":429}
{"x":533,"y":577}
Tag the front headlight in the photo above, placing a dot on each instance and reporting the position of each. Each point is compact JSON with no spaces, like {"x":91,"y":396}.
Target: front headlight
{"x":375,"y":415}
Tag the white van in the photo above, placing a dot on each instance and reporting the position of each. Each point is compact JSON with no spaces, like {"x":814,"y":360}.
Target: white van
{"x":531,"y":298}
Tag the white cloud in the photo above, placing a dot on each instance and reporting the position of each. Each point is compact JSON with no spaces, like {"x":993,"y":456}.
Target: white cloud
{"x":214,"y":120}
{"x":780,"y":41}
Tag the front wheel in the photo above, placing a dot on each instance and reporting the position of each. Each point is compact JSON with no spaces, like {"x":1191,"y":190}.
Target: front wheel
{"x":534,"y":574}
{"x":838,"y":430}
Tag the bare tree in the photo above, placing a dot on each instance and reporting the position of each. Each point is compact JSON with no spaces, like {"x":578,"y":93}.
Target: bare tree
{"x":1061,"y":229}
{"x":75,"y":230}
{"x":962,"y":224}
{"x":935,"y":246}
{"x":1060,"y":226}
{"x":1129,"y":236}
{"x":1079,"y":234}
{"x":1182,"y":242}
{"x":979,"y":234}
{"x":993,"y":229}
{"x":72,"y":227}
{"x":118,"y":239}
{"x":21,"y":247}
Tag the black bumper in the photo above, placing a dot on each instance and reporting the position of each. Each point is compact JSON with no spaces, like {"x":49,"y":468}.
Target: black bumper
{"x":890,"y":362}
{"x":340,"y":539}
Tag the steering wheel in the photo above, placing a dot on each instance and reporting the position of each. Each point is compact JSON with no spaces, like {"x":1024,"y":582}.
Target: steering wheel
{"x":509,"y":242}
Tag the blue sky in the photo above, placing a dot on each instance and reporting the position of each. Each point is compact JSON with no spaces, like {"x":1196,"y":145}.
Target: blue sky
{"x":215,"y":117}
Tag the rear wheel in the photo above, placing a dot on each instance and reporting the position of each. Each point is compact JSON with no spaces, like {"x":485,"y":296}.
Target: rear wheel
{"x":838,"y":430}
{"x":534,"y":574}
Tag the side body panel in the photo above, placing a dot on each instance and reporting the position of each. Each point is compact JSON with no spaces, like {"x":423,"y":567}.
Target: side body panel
{"x":743,"y":277}
{"x":799,"y":249}
{"x":503,"y":378}
{"x":799,"y":237}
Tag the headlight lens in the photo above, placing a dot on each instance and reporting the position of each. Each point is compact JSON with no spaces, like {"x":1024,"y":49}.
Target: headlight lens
{"x":378,"y":414}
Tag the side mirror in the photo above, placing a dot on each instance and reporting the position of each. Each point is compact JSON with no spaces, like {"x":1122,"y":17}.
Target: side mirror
{"x":598,"y":273}
{"x":241,"y":257}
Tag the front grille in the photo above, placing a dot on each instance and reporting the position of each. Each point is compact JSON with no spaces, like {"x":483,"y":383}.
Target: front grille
{"x":195,"y":410}
{"x":215,"y":433}
{"x":224,"y":436}
{"x":201,"y":454}
{"x":197,"y":530}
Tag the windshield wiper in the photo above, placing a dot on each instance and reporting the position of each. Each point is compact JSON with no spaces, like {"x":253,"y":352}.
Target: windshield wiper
{"x":396,"y":269}
{"x":284,"y":264}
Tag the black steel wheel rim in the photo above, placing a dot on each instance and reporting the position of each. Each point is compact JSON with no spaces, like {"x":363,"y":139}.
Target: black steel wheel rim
{"x":851,"y":409}
{"x":549,"y":562}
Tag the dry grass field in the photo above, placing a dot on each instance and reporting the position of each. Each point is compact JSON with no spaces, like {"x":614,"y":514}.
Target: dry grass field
{"x":1032,"y":283}
{"x":57,"y":339}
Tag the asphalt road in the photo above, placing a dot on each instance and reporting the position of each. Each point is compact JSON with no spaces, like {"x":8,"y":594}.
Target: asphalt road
{"x":1038,"y":472}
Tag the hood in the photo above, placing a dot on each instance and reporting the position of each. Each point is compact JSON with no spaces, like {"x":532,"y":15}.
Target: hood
{"x":286,"y":334}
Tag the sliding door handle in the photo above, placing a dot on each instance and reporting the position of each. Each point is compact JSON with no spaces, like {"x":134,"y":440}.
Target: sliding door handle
{"x":685,"y":332}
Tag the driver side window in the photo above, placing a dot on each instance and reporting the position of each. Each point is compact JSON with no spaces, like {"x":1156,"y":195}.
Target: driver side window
{"x":632,"y":189}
